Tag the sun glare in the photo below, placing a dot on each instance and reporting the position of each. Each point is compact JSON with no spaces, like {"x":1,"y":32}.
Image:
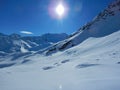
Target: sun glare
{"x":60,"y":10}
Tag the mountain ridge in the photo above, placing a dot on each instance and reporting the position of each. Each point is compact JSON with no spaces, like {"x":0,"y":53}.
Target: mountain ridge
{"x":105,"y":23}
{"x":17,"y":43}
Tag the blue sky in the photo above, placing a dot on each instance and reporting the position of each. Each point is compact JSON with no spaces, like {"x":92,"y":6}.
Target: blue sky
{"x":33,"y":16}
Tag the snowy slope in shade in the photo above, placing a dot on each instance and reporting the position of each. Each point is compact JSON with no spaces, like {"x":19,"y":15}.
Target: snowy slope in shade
{"x":92,"y":65}
{"x":103,"y":24}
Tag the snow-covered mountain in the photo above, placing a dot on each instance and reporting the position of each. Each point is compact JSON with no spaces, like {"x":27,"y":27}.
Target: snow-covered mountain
{"x":88,"y":60}
{"x":16,"y":43}
{"x":92,"y":65}
{"x":105,"y":23}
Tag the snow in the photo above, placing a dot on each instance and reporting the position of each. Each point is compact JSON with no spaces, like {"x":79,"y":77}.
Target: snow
{"x":23,"y":42}
{"x":33,"y":43}
{"x":92,"y":65}
{"x":23,"y":50}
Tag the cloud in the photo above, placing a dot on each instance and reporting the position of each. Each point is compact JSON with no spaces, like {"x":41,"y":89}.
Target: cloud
{"x":26,"y":32}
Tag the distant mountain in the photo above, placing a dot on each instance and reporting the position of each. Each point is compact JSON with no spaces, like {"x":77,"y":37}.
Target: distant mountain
{"x":105,"y":23}
{"x":16,"y":43}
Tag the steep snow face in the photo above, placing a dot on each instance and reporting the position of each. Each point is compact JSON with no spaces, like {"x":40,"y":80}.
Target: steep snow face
{"x":92,"y":65}
{"x":16,"y":43}
{"x":104,"y":24}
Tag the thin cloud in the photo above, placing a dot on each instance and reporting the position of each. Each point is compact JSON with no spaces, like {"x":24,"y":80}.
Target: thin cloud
{"x":26,"y":32}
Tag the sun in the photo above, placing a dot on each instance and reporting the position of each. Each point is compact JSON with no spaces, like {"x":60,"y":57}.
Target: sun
{"x":60,"y":10}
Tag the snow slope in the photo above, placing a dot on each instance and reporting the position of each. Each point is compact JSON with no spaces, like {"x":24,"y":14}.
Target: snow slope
{"x":105,"y":23}
{"x":92,"y":65}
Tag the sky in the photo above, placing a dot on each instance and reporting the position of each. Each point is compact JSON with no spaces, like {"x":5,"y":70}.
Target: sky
{"x":37,"y":17}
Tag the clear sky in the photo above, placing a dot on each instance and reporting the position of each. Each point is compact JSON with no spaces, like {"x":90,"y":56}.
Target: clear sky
{"x":36,"y":16}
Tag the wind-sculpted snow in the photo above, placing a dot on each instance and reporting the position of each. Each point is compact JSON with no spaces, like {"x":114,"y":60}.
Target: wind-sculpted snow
{"x":6,"y":65}
{"x":92,"y":65}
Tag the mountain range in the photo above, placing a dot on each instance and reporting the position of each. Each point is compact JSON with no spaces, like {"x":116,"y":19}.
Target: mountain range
{"x":15,"y":43}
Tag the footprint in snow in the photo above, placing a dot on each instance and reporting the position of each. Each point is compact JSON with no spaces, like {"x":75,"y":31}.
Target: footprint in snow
{"x":25,"y":61}
{"x":55,"y":64}
{"x":65,"y":61}
{"x":85,"y":65}
{"x":47,"y":67}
